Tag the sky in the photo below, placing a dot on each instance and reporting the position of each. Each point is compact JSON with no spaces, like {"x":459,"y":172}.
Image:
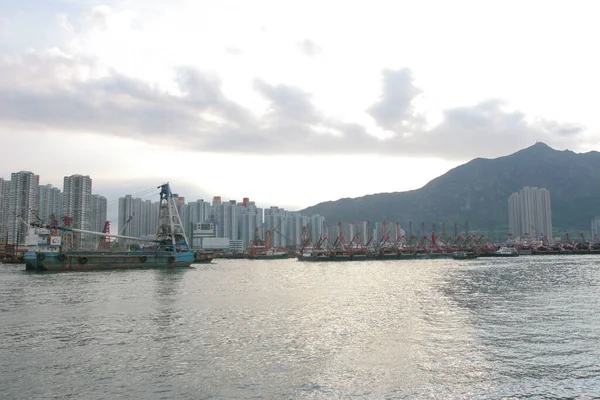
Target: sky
{"x":289,"y":103}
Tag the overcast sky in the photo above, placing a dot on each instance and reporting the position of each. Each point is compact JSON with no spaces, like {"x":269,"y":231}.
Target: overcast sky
{"x":289,"y":103}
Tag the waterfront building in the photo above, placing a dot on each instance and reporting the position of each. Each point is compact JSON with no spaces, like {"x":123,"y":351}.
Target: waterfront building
{"x":137,"y":217}
{"x":4,"y":185}
{"x":530,"y":214}
{"x":250,"y":222}
{"x":149,"y":218}
{"x":229,"y":220}
{"x":315,"y":228}
{"x":362,"y":231}
{"x":200,"y":232}
{"x":389,"y":231}
{"x":50,"y":203}
{"x":248,"y":228}
{"x":596,"y":230}
{"x":305,"y":221}
{"x":127,"y":223}
{"x":198,"y":211}
{"x":217,"y":215}
{"x":236,"y":245}
{"x":98,"y":214}
{"x":77,"y":205}
{"x":381,"y":231}
{"x":23,"y":195}
{"x":275,"y":223}
{"x":293,"y":232}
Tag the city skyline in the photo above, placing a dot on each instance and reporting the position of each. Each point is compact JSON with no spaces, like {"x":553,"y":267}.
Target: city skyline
{"x":239,"y":221}
{"x":270,"y":101}
{"x":529,"y":215}
{"x":128,"y":215}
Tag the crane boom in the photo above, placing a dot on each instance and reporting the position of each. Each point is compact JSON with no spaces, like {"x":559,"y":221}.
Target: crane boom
{"x":62,"y":228}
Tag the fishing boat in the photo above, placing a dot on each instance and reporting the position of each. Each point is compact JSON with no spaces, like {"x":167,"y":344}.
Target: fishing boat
{"x":169,"y":248}
{"x":269,"y":254}
{"x":332,"y":256}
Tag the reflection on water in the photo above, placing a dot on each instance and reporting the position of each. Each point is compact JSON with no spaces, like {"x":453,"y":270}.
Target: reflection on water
{"x":499,"y":328}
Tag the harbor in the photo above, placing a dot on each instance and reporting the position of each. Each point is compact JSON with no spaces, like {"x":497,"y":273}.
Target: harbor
{"x":289,"y":329}
{"x":461,"y":246}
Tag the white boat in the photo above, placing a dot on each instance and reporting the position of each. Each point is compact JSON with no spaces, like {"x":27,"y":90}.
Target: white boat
{"x":506,"y":252}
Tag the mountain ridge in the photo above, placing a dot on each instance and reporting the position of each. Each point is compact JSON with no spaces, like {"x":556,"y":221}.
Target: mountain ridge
{"x":478,"y":192}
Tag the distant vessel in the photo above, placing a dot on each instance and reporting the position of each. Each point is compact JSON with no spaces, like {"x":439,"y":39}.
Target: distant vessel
{"x":333,"y":257}
{"x":203,"y":258}
{"x":364,"y":256}
{"x":463,"y":255}
{"x":170,"y":248}
{"x":505,"y":252}
{"x":11,"y":254}
{"x":269,"y":254}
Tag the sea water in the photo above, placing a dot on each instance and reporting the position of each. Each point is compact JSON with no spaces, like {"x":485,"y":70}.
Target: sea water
{"x":524,"y":327}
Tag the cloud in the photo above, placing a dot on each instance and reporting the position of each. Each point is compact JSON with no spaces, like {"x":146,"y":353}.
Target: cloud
{"x":483,"y":129}
{"x":50,"y":90}
{"x":53,"y":90}
{"x":562,"y":130}
{"x":309,"y":48}
{"x":234,"y":51}
{"x":394,"y":111}
{"x":288,"y":104}
{"x":465,"y":132}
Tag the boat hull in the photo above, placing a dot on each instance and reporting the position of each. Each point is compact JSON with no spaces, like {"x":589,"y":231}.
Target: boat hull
{"x":94,"y":260}
{"x":268,"y":256}
{"x":336,"y":258}
{"x":515,"y":254}
{"x":464,"y":256}
{"x":369,"y":257}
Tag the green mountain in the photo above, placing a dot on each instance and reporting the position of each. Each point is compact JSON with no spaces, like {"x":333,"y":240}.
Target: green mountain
{"x":478,"y":192}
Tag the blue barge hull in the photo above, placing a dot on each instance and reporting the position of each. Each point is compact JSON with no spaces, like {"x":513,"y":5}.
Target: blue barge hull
{"x":98,"y":260}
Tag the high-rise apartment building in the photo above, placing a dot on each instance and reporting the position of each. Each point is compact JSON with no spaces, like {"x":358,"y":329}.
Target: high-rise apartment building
{"x":275,"y":222}
{"x":149,"y":218}
{"x":229,"y":220}
{"x":248,"y":229}
{"x":98,"y":214}
{"x":362,"y":231}
{"x":23,"y":195}
{"x":530,"y":214}
{"x":196,"y":212}
{"x":77,"y":204}
{"x":130,"y":214}
{"x":217,"y":215}
{"x":250,"y":222}
{"x":389,"y":231}
{"x":293,"y":229}
{"x":3,"y":210}
{"x":50,"y":203}
{"x":596,"y":230}
{"x":137,"y":217}
{"x":315,"y":228}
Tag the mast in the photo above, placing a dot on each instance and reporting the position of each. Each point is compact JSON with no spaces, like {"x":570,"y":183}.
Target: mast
{"x":170,"y":229}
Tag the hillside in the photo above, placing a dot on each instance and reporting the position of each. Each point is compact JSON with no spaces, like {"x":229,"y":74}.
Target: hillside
{"x":478,"y":192}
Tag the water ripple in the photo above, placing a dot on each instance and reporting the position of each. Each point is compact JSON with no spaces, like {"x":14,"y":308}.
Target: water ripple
{"x":234,"y":329}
